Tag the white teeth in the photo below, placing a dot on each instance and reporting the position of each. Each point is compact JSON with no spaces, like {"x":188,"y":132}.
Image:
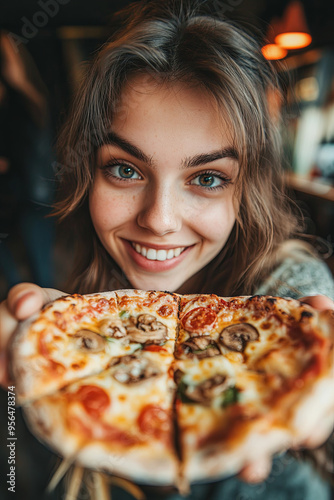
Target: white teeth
{"x":170,"y":254}
{"x":151,"y":254}
{"x":162,"y":255}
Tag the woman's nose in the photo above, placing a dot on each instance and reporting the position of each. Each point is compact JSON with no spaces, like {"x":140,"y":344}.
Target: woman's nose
{"x":161,"y":212}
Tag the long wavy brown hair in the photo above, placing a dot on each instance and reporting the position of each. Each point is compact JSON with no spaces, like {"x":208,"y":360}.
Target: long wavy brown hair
{"x":183,"y":41}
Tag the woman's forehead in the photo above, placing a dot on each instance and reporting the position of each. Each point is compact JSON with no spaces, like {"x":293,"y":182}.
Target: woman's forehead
{"x":147,"y":95}
{"x":151,"y":84}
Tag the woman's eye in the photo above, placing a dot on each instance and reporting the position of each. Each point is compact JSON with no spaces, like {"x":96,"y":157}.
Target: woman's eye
{"x":209,"y":180}
{"x":121,"y":171}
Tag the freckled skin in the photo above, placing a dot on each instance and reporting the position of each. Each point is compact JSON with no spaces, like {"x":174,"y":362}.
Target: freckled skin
{"x":163,"y":203}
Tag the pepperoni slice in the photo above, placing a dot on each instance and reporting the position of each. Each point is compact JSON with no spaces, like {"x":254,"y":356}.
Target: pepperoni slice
{"x":155,"y":421}
{"x":165,"y":310}
{"x":94,"y":399}
{"x":199,"y":320}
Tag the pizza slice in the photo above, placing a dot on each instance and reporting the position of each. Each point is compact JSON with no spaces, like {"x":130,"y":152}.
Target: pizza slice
{"x":247,"y":388}
{"x":119,"y":421}
{"x":77,"y":336}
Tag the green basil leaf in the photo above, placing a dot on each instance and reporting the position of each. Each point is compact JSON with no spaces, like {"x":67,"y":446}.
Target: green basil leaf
{"x":230,"y":396}
{"x":181,"y":393}
{"x":124,"y":314}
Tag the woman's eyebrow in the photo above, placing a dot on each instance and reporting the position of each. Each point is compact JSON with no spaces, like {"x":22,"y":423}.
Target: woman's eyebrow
{"x":204,"y":158}
{"x":117,"y":140}
{"x":195,"y":161}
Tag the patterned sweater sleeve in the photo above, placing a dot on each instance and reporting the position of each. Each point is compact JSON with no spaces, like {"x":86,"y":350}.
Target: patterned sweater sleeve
{"x":296,"y":278}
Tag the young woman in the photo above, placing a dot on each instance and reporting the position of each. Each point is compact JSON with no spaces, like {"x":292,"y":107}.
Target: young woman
{"x":171,"y":172}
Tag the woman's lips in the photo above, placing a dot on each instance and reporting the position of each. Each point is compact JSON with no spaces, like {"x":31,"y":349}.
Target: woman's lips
{"x":154,"y":265}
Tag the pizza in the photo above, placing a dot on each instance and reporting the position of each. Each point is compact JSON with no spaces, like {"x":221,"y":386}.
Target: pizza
{"x":168,"y":389}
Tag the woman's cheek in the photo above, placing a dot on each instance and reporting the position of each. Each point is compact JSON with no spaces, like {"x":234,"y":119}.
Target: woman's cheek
{"x":109,"y":208}
{"x":214,"y":221}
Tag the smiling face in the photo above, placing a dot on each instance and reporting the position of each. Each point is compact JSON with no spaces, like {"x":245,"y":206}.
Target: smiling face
{"x":162,"y":202}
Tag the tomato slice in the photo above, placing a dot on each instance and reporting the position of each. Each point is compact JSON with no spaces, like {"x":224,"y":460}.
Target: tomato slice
{"x":199,"y":320}
{"x":93,"y":398}
{"x":155,"y":421}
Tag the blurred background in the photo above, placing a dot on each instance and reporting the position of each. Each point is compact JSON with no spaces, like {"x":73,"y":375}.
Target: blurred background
{"x":43,"y":47}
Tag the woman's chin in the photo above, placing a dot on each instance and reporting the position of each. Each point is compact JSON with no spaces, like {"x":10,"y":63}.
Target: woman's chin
{"x":161,"y":284}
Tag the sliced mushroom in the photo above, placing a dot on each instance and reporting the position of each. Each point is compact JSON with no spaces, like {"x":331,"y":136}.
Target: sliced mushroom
{"x":209,"y":389}
{"x":198,"y":347}
{"x":113,"y":328}
{"x":87,"y":340}
{"x":236,"y":336}
{"x":146,"y":330}
{"x":132,"y":369}
{"x":145,"y":319}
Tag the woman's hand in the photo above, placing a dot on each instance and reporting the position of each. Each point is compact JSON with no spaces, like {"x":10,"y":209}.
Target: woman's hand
{"x":23,"y":300}
{"x":258,"y":471}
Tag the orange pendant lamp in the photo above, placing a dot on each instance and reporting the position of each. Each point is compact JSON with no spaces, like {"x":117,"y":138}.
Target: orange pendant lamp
{"x":294,"y":33}
{"x":272,"y":51}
